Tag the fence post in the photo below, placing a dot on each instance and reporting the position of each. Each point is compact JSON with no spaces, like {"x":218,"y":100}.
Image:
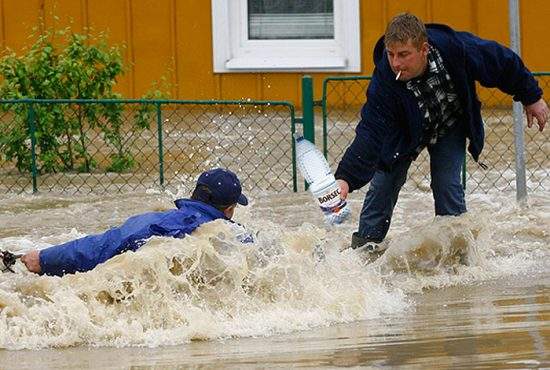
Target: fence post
{"x":521,"y":182}
{"x":160,"y":143}
{"x":308,"y":117}
{"x":31,"y":117}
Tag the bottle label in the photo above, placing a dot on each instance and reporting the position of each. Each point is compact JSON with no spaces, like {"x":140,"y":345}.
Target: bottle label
{"x":329,"y":201}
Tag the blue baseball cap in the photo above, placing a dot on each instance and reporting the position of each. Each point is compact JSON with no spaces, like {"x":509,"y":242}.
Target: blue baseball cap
{"x":224,"y":186}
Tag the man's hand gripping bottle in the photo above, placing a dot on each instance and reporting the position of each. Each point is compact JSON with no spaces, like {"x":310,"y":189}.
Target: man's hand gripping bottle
{"x":322,"y":184}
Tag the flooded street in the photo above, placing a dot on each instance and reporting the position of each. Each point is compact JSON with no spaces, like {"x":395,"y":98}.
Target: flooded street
{"x":458,"y":327}
{"x":469,"y":291}
{"x":114,"y":109}
{"x":449,"y":292}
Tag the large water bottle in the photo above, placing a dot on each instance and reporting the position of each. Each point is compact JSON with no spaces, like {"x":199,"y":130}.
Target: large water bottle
{"x":322,"y":184}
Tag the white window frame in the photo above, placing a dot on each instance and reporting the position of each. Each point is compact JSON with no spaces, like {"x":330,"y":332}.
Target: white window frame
{"x":233,"y":52}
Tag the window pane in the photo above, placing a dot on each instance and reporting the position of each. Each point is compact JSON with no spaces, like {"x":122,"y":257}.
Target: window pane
{"x":290,"y":19}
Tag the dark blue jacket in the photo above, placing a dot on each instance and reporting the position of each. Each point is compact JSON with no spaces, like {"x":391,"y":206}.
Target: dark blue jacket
{"x":391,"y":123}
{"x":86,"y":253}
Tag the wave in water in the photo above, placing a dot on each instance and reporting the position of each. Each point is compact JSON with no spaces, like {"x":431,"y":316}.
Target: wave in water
{"x":209,"y":286}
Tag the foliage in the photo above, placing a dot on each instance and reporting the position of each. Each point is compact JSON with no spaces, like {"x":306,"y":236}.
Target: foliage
{"x":145,"y":112}
{"x":65,"y":65}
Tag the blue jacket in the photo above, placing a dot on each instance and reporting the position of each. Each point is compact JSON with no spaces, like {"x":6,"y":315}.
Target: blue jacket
{"x":391,"y":123}
{"x":85,"y":253}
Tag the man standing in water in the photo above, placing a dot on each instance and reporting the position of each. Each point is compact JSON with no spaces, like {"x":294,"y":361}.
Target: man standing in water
{"x":217,"y":193}
{"x":422,"y":95}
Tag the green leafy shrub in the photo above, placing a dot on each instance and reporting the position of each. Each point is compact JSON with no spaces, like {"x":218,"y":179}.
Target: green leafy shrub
{"x":65,"y":65}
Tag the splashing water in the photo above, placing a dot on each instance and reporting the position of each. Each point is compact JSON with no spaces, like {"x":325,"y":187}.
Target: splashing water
{"x":201,"y":287}
{"x":209,"y":286}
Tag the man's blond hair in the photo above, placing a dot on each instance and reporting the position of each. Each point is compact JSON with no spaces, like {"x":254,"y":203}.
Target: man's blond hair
{"x":403,"y":27}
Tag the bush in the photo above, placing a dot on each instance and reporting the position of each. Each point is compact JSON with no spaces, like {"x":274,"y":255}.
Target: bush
{"x":83,"y":67}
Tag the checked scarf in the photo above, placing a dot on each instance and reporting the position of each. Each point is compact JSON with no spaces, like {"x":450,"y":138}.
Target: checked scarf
{"x":437,"y":100}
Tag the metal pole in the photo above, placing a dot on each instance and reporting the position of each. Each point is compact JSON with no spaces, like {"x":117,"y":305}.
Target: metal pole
{"x":519,"y":142}
{"x":308,"y":116}
{"x":32,"y":131}
{"x":160,"y":145}
{"x":307,"y":108}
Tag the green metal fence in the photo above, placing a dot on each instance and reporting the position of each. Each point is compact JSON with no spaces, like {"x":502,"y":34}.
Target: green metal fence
{"x":341,"y":104}
{"x":98,"y":146}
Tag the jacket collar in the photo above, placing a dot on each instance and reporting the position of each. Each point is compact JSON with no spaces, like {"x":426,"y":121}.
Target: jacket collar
{"x":200,"y":206}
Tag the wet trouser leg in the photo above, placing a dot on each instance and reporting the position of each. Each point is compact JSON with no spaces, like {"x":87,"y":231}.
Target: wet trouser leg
{"x":446,"y":160}
{"x":380,"y":201}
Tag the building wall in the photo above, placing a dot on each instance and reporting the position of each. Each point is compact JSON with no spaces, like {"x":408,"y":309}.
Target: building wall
{"x":172,"y":38}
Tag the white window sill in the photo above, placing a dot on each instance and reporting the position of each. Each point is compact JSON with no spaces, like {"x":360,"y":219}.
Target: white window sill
{"x":301,"y":64}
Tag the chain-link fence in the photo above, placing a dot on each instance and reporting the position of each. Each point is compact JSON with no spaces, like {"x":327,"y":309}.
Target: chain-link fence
{"x":344,"y":96}
{"x":105,"y":146}
{"x":79,"y":146}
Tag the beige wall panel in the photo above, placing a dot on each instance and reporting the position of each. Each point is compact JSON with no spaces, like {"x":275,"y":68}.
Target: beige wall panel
{"x":239,"y":86}
{"x":418,"y":7}
{"x":2,"y":25}
{"x":492,"y":16}
{"x":535,"y":30}
{"x":19,"y":21}
{"x":492,"y":24}
{"x":280,"y":86}
{"x":373,"y":24}
{"x":457,"y":14}
{"x":153,"y":56}
{"x":196,"y":79}
{"x":535,"y":47}
{"x":59,"y":14}
{"x":111,"y":17}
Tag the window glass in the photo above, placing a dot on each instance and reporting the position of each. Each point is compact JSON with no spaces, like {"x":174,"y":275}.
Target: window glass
{"x":290,"y":19}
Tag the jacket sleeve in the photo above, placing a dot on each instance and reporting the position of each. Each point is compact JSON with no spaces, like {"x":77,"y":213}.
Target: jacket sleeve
{"x":495,"y":65}
{"x":86,"y":253}
{"x":81,"y":254}
{"x":362,"y":157}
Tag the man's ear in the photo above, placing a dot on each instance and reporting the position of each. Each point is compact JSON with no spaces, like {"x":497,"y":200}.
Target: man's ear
{"x":424,"y":48}
{"x":229,"y":211}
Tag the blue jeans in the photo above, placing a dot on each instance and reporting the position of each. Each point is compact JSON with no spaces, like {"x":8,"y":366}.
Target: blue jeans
{"x":446,"y":159}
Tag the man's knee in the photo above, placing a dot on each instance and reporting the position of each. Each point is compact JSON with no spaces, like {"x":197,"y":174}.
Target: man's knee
{"x":445,"y":185}
{"x":445,"y":177}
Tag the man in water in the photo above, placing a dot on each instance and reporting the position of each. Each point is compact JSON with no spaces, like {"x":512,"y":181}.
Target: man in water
{"x":217,"y":193}
{"x":422,"y":95}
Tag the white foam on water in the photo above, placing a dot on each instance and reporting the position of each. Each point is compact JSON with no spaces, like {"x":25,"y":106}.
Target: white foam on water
{"x":201,"y":287}
{"x":498,"y":238}
{"x":294,"y":277}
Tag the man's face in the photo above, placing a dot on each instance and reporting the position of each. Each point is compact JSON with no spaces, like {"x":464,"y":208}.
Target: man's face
{"x":408,"y":59}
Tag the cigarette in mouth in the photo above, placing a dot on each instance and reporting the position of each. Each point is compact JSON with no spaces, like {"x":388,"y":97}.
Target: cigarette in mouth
{"x":398,"y":75}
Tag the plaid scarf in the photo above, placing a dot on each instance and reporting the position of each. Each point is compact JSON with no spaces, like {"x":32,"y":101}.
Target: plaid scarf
{"x":437,"y":100}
